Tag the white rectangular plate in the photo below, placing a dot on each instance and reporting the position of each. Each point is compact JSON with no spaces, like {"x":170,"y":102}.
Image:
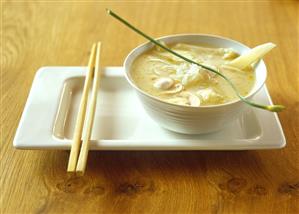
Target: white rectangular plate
{"x":122,"y":124}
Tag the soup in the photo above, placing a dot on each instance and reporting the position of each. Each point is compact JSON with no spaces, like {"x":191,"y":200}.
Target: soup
{"x":171,"y":79}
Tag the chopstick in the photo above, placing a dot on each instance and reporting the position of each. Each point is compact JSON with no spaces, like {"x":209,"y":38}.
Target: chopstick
{"x":76,"y":144}
{"x":81,"y":165}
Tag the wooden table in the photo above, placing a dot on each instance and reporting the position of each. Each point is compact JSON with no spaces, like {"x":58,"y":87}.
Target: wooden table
{"x":49,"y":33}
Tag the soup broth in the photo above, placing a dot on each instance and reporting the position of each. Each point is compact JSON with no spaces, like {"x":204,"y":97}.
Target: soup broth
{"x":171,"y":79}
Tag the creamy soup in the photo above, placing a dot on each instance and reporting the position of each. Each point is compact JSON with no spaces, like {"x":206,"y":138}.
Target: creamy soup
{"x":171,"y":79}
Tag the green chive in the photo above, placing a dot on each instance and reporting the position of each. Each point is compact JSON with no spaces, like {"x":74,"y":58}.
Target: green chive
{"x":272,"y":108}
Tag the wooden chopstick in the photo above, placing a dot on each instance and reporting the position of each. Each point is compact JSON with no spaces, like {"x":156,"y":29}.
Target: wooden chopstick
{"x":81,"y":114}
{"x":81,"y":165}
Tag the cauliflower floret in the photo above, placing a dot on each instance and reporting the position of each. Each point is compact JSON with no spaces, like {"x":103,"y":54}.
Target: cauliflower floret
{"x":208,"y":95}
{"x":192,"y":74}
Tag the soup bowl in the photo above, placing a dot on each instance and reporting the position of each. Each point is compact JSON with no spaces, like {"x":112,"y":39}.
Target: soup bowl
{"x":189,"y":119}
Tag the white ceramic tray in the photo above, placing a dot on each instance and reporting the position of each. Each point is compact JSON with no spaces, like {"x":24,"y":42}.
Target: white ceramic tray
{"x":120,"y":121}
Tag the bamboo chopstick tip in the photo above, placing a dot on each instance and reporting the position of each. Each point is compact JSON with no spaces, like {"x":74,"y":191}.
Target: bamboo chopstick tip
{"x":71,"y":169}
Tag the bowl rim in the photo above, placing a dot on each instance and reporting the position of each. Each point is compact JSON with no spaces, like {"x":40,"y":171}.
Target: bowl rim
{"x":249,"y":95}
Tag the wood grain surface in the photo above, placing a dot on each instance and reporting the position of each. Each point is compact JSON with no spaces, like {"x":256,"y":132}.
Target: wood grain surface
{"x":40,"y":33}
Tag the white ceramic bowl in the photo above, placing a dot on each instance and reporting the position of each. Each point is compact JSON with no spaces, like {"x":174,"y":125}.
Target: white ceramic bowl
{"x":187,"y":119}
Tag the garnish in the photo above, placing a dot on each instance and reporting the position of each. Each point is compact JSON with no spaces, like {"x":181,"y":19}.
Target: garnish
{"x":251,"y":56}
{"x":272,"y":108}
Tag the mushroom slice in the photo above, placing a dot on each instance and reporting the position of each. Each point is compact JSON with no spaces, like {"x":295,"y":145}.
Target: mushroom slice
{"x":164,"y":83}
{"x":176,"y":89}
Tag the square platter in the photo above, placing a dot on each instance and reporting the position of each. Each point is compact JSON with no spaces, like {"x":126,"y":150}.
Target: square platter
{"x":121,"y":123}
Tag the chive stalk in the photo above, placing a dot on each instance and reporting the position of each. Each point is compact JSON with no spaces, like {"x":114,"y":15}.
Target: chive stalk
{"x":272,"y":108}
